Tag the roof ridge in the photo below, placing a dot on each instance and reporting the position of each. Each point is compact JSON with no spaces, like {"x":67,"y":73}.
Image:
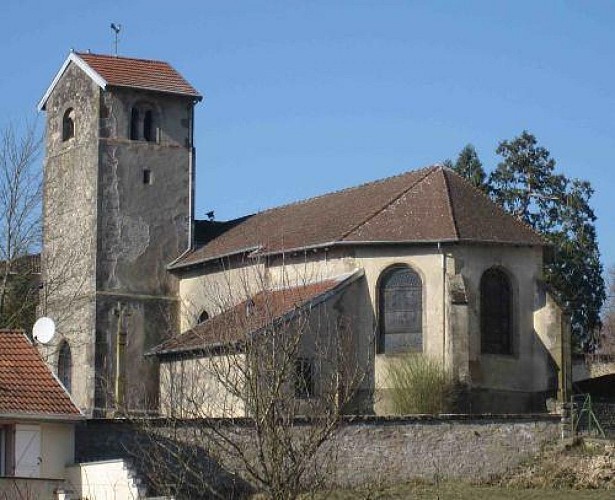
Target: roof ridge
{"x":449,"y":202}
{"x":429,"y":171}
{"x":344,"y":190}
{"x":498,"y":207}
{"x":112,"y":56}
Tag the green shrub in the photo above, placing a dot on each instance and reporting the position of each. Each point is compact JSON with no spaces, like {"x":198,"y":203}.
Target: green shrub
{"x":419,"y":384}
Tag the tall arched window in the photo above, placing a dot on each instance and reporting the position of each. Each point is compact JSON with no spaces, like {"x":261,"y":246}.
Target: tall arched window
{"x":148,"y":126}
{"x":401,"y":311}
{"x":68,"y":124}
{"x":496,"y":318}
{"x":65,"y":365}
{"x":134,"y":124}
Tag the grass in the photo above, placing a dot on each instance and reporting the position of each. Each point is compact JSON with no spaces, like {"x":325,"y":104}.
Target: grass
{"x":463,"y":491}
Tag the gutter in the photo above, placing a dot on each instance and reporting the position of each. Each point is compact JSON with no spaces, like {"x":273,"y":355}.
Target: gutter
{"x":178,"y":265}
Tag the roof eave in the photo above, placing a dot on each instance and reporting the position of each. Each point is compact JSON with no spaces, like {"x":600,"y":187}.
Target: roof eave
{"x":195,"y":96}
{"x":43,"y":417}
{"x":87,"y":69}
{"x":176,"y":265}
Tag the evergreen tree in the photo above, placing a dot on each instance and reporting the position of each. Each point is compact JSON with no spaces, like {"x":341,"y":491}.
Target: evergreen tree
{"x":469,"y":166}
{"x":526,"y":185}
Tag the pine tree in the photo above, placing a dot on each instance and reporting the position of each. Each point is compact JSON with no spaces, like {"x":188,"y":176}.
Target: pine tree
{"x":526,"y":185}
{"x":469,"y":166}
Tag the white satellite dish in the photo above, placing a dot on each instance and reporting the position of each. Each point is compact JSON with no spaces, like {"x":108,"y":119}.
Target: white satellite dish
{"x":43,"y":330}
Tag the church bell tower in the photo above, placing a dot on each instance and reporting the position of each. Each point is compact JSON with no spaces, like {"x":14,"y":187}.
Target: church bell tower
{"x":118,"y":203}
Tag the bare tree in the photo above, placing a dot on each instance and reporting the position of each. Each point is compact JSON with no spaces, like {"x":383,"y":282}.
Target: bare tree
{"x":20,"y":228}
{"x":254,"y":396}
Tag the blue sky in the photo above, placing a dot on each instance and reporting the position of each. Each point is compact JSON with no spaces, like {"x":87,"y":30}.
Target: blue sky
{"x":303,"y":98}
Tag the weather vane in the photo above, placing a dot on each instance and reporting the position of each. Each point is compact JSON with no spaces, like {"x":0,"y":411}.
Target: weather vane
{"x":117,"y":28}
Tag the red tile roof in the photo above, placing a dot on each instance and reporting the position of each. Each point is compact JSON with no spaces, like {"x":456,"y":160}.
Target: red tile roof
{"x":250,"y":316}
{"x":27,"y":386}
{"x":428,"y":205}
{"x":157,"y":76}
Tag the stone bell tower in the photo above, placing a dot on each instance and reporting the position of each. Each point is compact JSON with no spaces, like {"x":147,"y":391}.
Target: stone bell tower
{"x":118,"y":203}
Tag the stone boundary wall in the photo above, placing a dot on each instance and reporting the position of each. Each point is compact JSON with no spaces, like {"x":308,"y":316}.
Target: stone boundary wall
{"x":385,"y":450}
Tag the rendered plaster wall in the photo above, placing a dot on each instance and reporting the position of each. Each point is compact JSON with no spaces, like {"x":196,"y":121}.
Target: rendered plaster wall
{"x":197,"y":387}
{"x":219,"y":289}
{"x":142,"y":225}
{"x":520,"y":381}
{"x":451,"y":331}
{"x":553,"y":329}
{"x":69,"y":223}
{"x":127,"y":328}
{"x":192,"y":385}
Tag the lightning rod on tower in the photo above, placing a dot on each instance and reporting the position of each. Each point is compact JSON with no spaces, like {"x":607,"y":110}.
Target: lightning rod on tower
{"x":116,"y":28}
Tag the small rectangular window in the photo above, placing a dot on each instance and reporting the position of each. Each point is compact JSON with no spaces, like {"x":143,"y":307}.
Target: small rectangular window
{"x":304,"y":381}
{"x":147,"y":176}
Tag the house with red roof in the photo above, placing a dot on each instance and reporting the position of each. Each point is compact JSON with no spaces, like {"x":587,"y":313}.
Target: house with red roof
{"x":162,"y":304}
{"x":37,"y":420}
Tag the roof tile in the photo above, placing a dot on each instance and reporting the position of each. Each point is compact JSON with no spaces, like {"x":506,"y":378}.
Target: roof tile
{"x":428,"y":205}
{"x":27,"y":386}
{"x":146,"y":74}
{"x":251,"y":315}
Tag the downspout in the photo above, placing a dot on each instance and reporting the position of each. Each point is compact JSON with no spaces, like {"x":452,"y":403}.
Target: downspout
{"x":191,"y":174}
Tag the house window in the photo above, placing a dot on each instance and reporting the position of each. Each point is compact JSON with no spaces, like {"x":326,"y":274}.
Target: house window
{"x":68,"y":124}
{"x":496,"y":312}
{"x":65,"y":365}
{"x":204,"y":316}
{"x":147,"y":176}
{"x":400,"y":311}
{"x":304,"y":381}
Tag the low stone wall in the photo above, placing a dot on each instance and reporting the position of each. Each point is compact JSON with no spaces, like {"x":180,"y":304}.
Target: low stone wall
{"x":474,"y":447}
{"x":381,"y":450}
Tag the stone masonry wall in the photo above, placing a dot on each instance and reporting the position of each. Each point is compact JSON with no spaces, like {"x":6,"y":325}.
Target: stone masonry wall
{"x":377,"y":450}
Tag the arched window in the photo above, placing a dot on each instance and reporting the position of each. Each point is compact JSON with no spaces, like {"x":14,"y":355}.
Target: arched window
{"x":65,"y":365}
{"x":204,"y":316}
{"x":143,"y":123}
{"x":401,"y":311}
{"x":134,"y":124}
{"x":148,"y":126}
{"x":496,"y":312}
{"x":68,"y":124}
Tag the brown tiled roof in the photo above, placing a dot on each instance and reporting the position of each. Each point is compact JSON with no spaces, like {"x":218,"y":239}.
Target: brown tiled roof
{"x":158,"y":76}
{"x":27,"y":387}
{"x":428,"y":205}
{"x":26,"y":264}
{"x":251,"y":315}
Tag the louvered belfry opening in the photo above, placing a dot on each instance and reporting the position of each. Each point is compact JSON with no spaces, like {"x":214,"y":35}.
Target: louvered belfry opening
{"x":496,"y":312}
{"x":401,"y":311}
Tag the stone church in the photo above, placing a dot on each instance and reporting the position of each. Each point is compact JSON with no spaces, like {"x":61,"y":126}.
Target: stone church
{"x":417,"y":263}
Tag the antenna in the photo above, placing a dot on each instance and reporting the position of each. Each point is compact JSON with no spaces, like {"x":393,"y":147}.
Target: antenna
{"x":43,"y":330}
{"x":116,"y":28}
